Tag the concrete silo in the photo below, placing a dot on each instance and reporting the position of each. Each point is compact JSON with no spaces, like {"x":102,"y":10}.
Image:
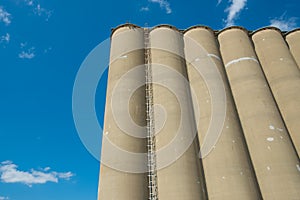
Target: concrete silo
{"x":153,"y":131}
{"x":178,"y":175}
{"x":283,"y":76}
{"x":293,"y":40}
{"x":273,"y":156}
{"x":227,"y":168}
{"x":127,"y":52}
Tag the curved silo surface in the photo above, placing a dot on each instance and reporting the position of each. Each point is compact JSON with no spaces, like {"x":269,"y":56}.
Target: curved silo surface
{"x":283,"y":76}
{"x":273,"y":156}
{"x":116,"y":184}
{"x":181,"y":179}
{"x":293,"y":40}
{"x":227,"y":168}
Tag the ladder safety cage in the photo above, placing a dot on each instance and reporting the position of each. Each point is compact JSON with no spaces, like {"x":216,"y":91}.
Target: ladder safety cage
{"x":151,"y":149}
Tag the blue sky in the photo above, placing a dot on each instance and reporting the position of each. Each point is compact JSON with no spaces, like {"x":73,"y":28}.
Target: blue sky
{"x":42,"y":45}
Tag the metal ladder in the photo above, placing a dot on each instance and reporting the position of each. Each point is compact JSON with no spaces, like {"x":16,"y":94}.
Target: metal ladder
{"x":151,"y":150}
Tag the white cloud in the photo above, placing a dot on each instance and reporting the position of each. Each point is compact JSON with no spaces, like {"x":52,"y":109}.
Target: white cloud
{"x":145,"y":9}
{"x":10,"y":174}
{"x":4,"y":198}
{"x":38,"y":9}
{"x":23,"y":44}
{"x":164,"y":4}
{"x":283,"y":23}
{"x":46,"y":169}
{"x":219,"y":1}
{"x":27,"y":54}
{"x":6,"y":162}
{"x":5,"y":39}
{"x":233,"y":10}
{"x":42,"y":11}
{"x":5,"y":17}
{"x":29,"y":2}
{"x":65,"y":176}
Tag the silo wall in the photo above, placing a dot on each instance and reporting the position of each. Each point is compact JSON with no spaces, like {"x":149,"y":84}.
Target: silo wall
{"x":127,"y":52}
{"x":180,"y":178}
{"x":293,"y":40}
{"x":273,"y":156}
{"x":227,"y":168}
{"x":283,"y":77}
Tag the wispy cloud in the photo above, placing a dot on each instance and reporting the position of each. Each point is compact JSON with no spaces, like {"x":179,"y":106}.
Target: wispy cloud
{"x":284,"y":23}
{"x":5,"y":17}
{"x":29,"y":2}
{"x":38,"y":9}
{"x":27,"y":54}
{"x":164,"y":4}
{"x":144,"y":9}
{"x":5,"y":39}
{"x":23,"y":44}
{"x":4,"y":198}
{"x":42,"y":12}
{"x":10,"y":174}
{"x":46,"y":169}
{"x":47,"y":50}
{"x":65,"y":176}
{"x":219,"y":1}
{"x":233,"y":10}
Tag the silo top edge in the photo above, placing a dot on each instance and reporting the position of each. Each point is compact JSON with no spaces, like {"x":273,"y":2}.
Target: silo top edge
{"x":251,"y":33}
{"x":266,"y":28}
{"x":292,"y":31}
{"x":113,"y":30}
{"x":166,"y":26}
{"x":233,"y":27}
{"x":198,"y":26}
